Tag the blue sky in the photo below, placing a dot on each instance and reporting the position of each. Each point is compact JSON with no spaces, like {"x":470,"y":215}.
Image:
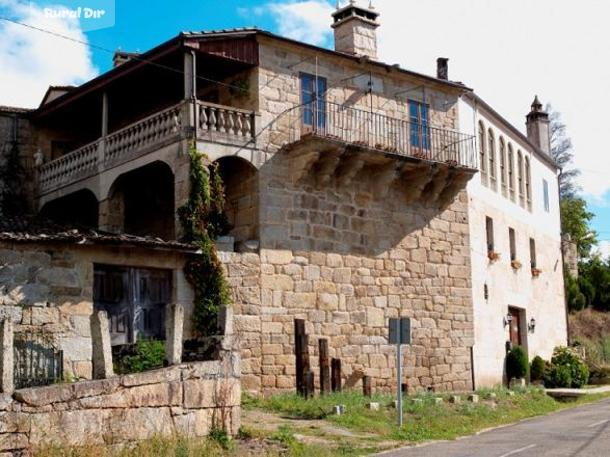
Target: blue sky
{"x":524,"y":52}
{"x":142,"y":25}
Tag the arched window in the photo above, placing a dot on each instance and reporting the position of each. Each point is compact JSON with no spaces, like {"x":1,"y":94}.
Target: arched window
{"x":528,"y":184}
{"x":482,"y":154}
{"x":491,"y":141}
{"x":520,"y":177}
{"x":511,"y":172}
{"x":503,"y":165}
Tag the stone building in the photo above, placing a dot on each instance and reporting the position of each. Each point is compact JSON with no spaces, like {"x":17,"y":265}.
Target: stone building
{"x":515,"y":239}
{"x":345,"y":181}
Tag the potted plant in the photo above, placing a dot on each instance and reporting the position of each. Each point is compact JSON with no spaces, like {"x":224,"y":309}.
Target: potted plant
{"x":517,"y":366}
{"x":493,"y":255}
{"x":515,"y":264}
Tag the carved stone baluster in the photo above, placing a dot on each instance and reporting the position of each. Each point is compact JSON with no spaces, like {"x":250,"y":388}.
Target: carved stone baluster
{"x":213,"y":125}
{"x":203,"y":118}
{"x":239,"y":125}
{"x":247,"y":126}
{"x":229,"y":122}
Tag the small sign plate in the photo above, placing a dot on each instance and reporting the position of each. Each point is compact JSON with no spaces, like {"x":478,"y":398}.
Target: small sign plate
{"x":400,"y":330}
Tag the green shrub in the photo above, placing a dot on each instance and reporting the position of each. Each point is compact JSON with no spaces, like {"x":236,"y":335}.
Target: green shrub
{"x":537,"y":369}
{"x":567,"y":369}
{"x":147,"y":355}
{"x":516,"y":363}
{"x":558,"y":376}
{"x":221,"y":437}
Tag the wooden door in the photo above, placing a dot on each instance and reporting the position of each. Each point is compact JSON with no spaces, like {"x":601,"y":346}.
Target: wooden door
{"x":134,"y":299}
{"x":111,"y":293}
{"x":152,"y":292}
{"x":515,"y":327}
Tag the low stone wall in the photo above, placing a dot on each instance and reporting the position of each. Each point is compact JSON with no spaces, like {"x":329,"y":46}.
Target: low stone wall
{"x":188,"y":399}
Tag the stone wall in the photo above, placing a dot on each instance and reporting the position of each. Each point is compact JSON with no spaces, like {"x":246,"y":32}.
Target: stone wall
{"x":346,"y":258}
{"x":49,"y":288}
{"x":188,"y":399}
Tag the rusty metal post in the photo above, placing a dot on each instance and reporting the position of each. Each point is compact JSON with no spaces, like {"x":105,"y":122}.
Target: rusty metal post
{"x":324,"y":366}
{"x":336,"y":375}
{"x":366,"y":386}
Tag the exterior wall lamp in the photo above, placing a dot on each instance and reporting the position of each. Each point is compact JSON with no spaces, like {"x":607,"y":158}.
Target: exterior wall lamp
{"x":531,"y":326}
{"x":508,"y":319}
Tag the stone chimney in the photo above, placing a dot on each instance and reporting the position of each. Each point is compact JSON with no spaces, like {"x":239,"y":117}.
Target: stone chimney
{"x":538,"y":129}
{"x":355,"y":30}
{"x":120,"y":57}
{"x":442,"y":68}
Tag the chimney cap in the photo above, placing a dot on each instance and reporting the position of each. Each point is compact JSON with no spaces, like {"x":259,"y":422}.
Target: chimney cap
{"x":536,"y":105}
{"x":353,"y":11}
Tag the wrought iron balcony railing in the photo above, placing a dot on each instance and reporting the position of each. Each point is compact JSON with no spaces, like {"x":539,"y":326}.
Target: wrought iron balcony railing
{"x":358,"y":127}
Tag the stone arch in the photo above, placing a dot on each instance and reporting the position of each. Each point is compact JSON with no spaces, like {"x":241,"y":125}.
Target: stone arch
{"x":240,"y":177}
{"x":78,"y":208}
{"x":141,"y":202}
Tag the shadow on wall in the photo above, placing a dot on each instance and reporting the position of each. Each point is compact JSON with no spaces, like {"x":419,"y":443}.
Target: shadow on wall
{"x":358,"y":202}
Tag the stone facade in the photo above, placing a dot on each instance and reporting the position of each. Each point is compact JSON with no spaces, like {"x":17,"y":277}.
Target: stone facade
{"x":346,"y":262}
{"x":188,"y":399}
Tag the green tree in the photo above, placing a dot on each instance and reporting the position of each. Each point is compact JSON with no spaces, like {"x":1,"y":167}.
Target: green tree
{"x":594,"y":279}
{"x":563,"y":154}
{"x":575,"y":220}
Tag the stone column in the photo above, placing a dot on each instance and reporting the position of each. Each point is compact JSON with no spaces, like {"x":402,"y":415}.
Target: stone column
{"x":174,"y":325}
{"x":102,"y":349}
{"x":6,"y":362}
{"x":225,"y":327}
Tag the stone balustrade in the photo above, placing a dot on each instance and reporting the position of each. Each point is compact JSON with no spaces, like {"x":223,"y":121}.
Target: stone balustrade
{"x":224,"y":123}
{"x":216,"y":123}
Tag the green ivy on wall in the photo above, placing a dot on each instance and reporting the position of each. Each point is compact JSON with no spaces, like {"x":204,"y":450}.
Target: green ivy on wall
{"x":203,"y":220}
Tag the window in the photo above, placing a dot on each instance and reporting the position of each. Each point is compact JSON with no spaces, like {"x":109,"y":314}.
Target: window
{"x":419,"y":120}
{"x":511,"y":172}
{"x":545,"y":191}
{"x":532,"y":253}
{"x":310,"y":92}
{"x":503,"y":166}
{"x":482,"y":155}
{"x":489,"y":229}
{"x":528,"y":186}
{"x":492,"y":158}
{"x":513,"y":244}
{"x":520,"y":177}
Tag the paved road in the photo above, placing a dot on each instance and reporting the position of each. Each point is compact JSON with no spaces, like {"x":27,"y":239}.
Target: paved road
{"x":578,"y":432}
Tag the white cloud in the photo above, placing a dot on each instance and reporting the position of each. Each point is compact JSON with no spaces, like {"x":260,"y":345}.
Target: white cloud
{"x":32,"y":60}
{"x":307,"y":20}
{"x":507,"y":51}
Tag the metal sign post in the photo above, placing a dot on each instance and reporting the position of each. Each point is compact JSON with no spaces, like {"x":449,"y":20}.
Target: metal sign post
{"x":400,"y":333}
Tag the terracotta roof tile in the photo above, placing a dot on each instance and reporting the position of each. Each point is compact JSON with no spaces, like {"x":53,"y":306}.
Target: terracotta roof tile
{"x":27,"y":229}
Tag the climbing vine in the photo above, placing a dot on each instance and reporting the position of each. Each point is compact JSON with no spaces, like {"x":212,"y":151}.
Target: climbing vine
{"x":203,"y":220}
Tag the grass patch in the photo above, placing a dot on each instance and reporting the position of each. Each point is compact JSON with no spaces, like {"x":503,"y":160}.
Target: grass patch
{"x":424,"y":420}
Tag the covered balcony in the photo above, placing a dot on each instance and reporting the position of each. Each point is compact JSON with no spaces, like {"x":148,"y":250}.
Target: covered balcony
{"x":211,"y":122}
{"x":147,"y":109}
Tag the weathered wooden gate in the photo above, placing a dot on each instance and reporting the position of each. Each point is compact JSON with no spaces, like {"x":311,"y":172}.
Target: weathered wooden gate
{"x":135,"y":300}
